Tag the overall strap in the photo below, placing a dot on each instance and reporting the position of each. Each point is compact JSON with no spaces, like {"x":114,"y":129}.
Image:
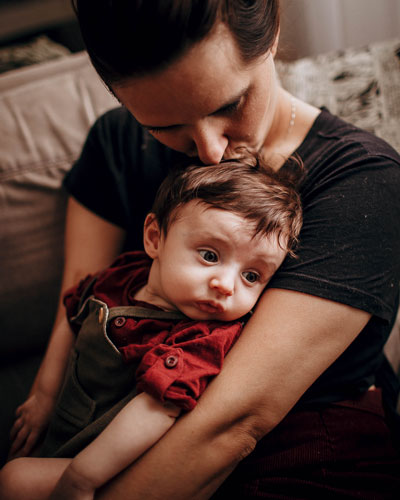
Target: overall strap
{"x":144,"y":312}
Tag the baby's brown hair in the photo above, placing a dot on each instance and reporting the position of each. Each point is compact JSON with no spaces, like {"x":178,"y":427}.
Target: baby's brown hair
{"x":255,"y":192}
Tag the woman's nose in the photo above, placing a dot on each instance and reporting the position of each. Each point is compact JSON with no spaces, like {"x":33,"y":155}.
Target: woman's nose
{"x":223,"y":285}
{"x":210,"y":144}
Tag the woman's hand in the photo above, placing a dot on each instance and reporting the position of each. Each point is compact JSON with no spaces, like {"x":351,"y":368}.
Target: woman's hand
{"x":32,"y":418}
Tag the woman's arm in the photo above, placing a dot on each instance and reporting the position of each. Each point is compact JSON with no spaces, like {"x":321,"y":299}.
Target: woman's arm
{"x":140,"y":424}
{"x":289,"y":341}
{"x":33,"y":415}
{"x":91,"y":243}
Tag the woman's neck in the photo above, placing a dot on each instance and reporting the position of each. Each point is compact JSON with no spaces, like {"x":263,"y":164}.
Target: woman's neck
{"x":293,"y":119}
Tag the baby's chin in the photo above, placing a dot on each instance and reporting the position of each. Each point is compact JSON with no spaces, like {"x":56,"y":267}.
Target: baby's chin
{"x":199,"y":315}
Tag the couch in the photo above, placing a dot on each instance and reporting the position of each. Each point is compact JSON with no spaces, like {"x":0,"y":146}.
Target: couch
{"x":46,"y":110}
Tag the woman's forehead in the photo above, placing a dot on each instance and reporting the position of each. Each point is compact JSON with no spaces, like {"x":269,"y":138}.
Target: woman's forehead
{"x":204,"y":79}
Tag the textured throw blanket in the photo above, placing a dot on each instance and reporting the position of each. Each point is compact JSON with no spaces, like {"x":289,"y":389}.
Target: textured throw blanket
{"x":361,"y":85}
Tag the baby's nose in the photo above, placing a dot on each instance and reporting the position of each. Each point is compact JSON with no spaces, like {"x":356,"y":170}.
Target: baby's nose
{"x":223,"y":285}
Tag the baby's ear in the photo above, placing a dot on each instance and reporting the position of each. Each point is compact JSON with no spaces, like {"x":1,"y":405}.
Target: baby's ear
{"x":151,"y":236}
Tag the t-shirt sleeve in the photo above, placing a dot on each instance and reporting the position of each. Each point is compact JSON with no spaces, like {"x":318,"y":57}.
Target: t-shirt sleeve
{"x":119,"y":171}
{"x":350,"y":241}
{"x":95,"y":178}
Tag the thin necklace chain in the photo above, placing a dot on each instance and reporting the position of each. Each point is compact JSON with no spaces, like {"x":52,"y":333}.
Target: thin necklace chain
{"x":292,"y":114}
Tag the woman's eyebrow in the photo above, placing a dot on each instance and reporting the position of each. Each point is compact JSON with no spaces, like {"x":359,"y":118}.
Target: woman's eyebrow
{"x":229,"y":102}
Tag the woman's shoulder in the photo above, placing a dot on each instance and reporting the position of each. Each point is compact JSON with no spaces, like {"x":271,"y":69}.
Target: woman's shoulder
{"x":115,"y":122}
{"x":330,"y":132}
{"x":337,"y":151}
{"x":119,"y":136}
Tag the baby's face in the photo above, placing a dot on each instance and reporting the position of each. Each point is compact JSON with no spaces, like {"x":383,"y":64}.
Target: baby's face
{"x":210,"y":265}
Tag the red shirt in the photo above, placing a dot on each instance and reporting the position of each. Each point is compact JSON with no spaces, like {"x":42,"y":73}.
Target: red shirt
{"x":177,"y":357}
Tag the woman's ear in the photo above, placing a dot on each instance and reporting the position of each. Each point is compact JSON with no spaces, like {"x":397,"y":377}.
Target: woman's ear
{"x":151,"y":236}
{"x":274,"y":47}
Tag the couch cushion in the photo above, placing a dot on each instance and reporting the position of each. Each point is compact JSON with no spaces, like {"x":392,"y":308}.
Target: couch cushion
{"x":46,"y":111}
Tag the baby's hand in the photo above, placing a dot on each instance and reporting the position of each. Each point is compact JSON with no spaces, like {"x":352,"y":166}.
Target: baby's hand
{"x":32,"y":418}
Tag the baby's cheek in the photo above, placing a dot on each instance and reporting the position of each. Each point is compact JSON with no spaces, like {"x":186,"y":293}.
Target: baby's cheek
{"x":257,"y":294}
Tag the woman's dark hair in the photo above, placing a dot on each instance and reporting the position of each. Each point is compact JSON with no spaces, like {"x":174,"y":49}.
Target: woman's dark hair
{"x":267,"y":199}
{"x":128,"y":38}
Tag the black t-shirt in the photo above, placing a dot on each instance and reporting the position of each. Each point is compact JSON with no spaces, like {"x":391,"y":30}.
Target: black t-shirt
{"x":119,"y":171}
{"x":349,"y":244}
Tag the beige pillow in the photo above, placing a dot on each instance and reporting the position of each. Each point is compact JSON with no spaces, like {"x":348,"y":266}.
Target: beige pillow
{"x":46,"y":111}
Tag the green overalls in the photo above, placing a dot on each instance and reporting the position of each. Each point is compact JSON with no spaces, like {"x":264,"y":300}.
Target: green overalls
{"x":98,"y":382}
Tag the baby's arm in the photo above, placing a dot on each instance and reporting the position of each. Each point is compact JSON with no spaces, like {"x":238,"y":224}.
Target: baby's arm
{"x":140,"y":424}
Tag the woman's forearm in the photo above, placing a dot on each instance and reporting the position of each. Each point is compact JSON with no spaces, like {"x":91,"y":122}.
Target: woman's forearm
{"x":275,"y":360}
{"x":91,"y":243}
{"x":52,"y":370}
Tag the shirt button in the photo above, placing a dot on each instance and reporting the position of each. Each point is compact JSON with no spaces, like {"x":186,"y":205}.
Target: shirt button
{"x":171,"y":361}
{"x":119,"y":321}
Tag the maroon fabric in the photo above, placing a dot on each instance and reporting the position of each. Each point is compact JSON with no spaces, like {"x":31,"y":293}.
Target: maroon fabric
{"x":116,"y":285}
{"x":177,"y":358}
{"x":197,"y":350}
{"x":341,"y":450}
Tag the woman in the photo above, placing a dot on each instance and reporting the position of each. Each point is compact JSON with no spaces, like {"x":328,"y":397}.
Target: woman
{"x":198,"y":78}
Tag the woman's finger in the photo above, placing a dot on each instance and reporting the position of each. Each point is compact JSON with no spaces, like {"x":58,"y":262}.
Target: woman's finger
{"x":19,"y":441}
{"x":19,"y":410}
{"x":18,"y":424}
{"x":29,"y":443}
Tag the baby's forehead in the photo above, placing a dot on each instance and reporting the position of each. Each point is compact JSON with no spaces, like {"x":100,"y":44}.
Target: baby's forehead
{"x":203,"y":220}
{"x":205,"y":212}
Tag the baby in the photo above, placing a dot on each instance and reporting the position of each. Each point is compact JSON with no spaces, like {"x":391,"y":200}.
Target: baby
{"x":153,"y":329}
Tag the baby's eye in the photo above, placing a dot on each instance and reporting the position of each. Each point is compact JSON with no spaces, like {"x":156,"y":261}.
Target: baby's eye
{"x":209,"y":255}
{"x":251,"y":276}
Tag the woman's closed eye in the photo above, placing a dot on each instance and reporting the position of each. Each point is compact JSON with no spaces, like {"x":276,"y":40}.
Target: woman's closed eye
{"x":230,"y":108}
{"x":154,"y":130}
{"x":159,"y":130}
{"x":209,"y":256}
{"x":251,"y":276}
{"x":225,"y":110}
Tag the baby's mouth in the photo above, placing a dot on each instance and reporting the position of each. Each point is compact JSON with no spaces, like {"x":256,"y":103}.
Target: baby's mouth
{"x":209,"y":306}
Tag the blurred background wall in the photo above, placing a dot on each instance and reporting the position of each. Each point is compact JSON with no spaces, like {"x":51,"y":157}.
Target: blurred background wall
{"x":308,"y":26}
{"x":312,"y":27}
